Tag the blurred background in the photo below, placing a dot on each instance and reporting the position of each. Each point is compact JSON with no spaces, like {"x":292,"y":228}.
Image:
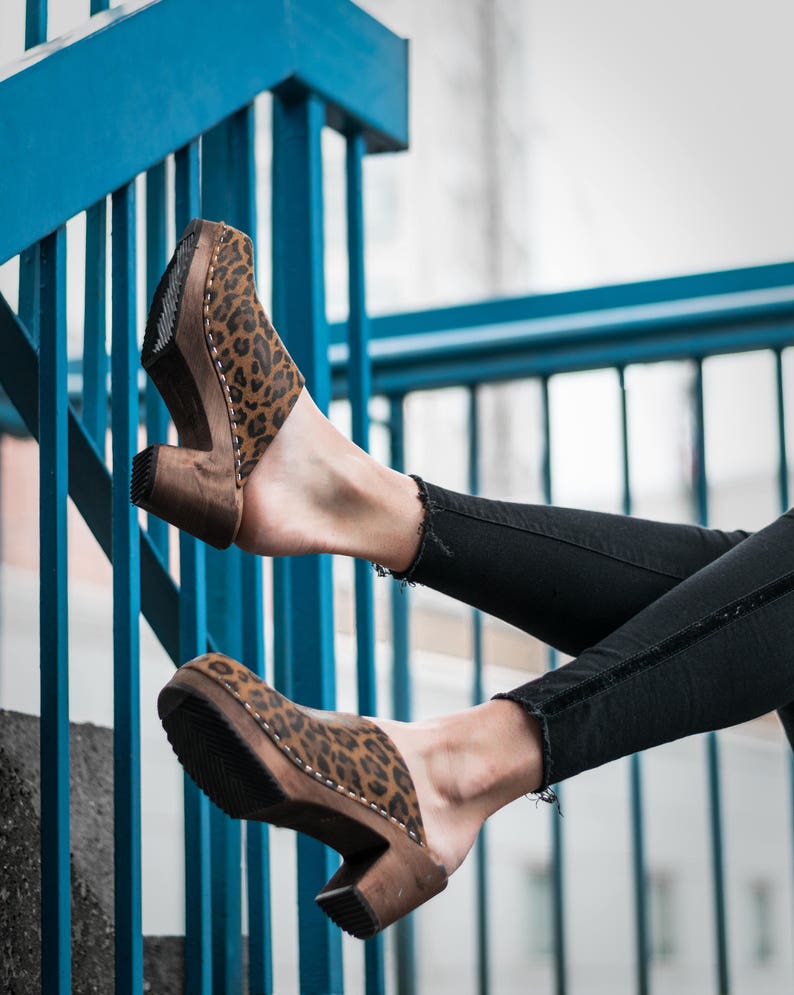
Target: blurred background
{"x":553,"y":147}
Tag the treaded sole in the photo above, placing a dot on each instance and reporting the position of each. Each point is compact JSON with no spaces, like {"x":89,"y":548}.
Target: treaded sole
{"x":164,"y":312}
{"x":219,"y":760}
{"x":348,"y":908}
{"x":144,"y":466}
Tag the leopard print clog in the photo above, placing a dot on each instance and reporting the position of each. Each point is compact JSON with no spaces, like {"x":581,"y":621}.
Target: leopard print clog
{"x":225,"y":376}
{"x":334,"y":776}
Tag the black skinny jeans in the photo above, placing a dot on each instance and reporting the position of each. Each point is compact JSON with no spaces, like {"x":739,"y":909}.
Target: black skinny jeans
{"x":675,"y":629}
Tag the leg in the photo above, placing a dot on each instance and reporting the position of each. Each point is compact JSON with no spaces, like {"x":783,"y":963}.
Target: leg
{"x":713,"y":652}
{"x":260,"y":465}
{"x":568,"y":577}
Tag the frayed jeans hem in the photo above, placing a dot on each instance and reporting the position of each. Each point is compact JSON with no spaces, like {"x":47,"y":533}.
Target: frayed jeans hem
{"x":545,"y":792}
{"x":426,"y":532}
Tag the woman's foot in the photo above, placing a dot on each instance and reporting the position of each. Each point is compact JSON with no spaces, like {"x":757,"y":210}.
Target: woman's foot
{"x":314,"y":491}
{"x":465,"y":767}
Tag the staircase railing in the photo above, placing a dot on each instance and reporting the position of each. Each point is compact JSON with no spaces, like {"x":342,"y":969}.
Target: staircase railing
{"x":155,"y":88}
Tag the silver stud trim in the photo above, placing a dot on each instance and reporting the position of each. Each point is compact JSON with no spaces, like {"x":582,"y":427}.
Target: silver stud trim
{"x":214,"y":350}
{"x":335,"y":786}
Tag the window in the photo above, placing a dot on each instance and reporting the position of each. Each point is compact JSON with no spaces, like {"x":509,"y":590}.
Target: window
{"x":761,"y":922}
{"x":540,"y":912}
{"x":662,"y":917}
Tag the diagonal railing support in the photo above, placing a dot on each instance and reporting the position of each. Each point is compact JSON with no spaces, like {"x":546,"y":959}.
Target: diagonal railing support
{"x":90,"y":484}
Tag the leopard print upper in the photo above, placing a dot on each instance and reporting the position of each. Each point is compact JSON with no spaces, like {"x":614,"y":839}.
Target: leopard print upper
{"x":260,"y":381}
{"x":343,"y":751}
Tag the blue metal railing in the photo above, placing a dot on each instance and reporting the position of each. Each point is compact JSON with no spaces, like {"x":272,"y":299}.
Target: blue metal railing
{"x":327,"y":64}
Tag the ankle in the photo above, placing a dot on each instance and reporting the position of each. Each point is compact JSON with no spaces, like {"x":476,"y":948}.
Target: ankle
{"x":487,"y":756}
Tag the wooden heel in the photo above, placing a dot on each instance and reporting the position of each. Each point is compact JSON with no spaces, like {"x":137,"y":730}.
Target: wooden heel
{"x":372,"y":890}
{"x":190,"y":489}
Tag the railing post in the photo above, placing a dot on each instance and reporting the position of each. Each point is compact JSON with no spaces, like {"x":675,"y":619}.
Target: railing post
{"x":95,"y":357}
{"x":260,"y":952}
{"x":30,"y":275}
{"x":300,"y":314}
{"x":359,"y":378}
{"x":712,"y":743}
{"x":228,"y":193}
{"x":635,"y":766}
{"x":481,"y":846}
{"x":157,"y":418}
{"x":558,"y":853}
{"x":783,"y":492}
{"x":405,"y":944}
{"x":53,"y":622}
{"x":126,"y":605}
{"x":192,"y":642}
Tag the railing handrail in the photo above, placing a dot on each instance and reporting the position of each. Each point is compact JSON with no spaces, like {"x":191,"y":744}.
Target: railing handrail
{"x":181,"y":76}
{"x":537,"y":335}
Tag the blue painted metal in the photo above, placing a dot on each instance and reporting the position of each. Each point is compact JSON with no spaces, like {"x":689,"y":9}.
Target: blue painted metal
{"x":712,"y":743}
{"x":198,"y":889}
{"x":718,"y":863}
{"x":53,"y":622}
{"x":298,"y":280}
{"x":358,"y":340}
{"x":282,"y":567}
{"x":228,"y":192}
{"x":30,"y":260}
{"x":192,"y":642}
{"x":226,"y":884}
{"x":260,"y":952}
{"x":282,"y":624}
{"x":403,"y":372}
{"x":35,"y":22}
{"x":783,"y":491}
{"x":126,"y":606}
{"x":358,"y":334}
{"x":29,"y":284}
{"x":539,"y":336}
{"x":481,"y":846}
{"x":198,"y":892}
{"x":642,"y":948}
{"x":95,"y":356}
{"x":157,"y":418}
{"x":670,"y":300}
{"x":780,"y":406}
{"x":557,"y":842}
{"x":405,"y":933}
{"x":89,"y":480}
{"x":402,"y":706}
{"x":328,"y":45}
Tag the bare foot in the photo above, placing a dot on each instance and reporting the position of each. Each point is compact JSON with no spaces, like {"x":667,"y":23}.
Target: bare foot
{"x":465,"y":767}
{"x":314,"y":491}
